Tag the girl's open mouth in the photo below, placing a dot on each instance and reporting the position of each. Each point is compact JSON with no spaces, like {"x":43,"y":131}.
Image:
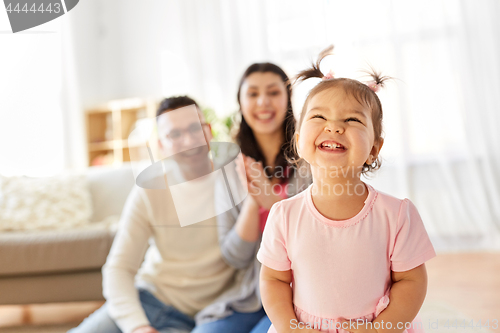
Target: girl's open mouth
{"x":332,"y":146}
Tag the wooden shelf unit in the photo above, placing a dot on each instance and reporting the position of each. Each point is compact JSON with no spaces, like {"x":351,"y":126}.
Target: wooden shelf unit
{"x":109,"y":125}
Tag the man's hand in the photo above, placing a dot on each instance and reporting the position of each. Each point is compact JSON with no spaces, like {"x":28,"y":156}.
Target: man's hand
{"x":145,"y":329}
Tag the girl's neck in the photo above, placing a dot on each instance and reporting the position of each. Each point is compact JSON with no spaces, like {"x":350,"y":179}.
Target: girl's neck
{"x":338,"y":198}
{"x":337,"y":188}
{"x":270,"y":145}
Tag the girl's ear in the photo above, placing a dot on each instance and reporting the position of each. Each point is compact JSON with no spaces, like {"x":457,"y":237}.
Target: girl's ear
{"x":375,"y":150}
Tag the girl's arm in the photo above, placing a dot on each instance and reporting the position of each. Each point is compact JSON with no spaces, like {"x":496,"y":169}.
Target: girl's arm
{"x":406,"y":297}
{"x":276,"y":296}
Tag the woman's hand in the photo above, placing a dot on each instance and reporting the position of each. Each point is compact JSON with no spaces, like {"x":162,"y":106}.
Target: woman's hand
{"x":145,"y":329}
{"x":246,"y":181}
{"x":259,"y":186}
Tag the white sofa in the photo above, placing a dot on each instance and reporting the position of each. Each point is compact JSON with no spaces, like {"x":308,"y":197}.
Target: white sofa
{"x":64,"y":265}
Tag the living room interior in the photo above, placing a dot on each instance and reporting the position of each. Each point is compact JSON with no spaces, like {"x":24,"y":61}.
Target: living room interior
{"x":75,"y":88}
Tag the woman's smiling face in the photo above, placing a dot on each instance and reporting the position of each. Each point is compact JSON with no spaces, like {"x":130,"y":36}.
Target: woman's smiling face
{"x":336,"y":131}
{"x":264,"y":101}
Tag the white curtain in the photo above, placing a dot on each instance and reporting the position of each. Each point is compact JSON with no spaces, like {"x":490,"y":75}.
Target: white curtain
{"x":30,"y":109}
{"x":73,"y":113}
{"x":41,"y":114}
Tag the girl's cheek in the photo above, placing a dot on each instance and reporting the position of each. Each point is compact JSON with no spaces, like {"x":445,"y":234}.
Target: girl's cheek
{"x":304,"y":146}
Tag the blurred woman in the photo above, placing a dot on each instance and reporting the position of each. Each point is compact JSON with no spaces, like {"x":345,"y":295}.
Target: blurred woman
{"x":264,"y":136}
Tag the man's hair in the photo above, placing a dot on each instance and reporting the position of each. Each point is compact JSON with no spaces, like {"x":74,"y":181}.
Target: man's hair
{"x":173,"y":103}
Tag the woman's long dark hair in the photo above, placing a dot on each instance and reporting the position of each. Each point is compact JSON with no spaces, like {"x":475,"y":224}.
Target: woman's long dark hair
{"x":245,"y":137}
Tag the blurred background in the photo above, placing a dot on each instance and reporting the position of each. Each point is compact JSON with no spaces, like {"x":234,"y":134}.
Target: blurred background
{"x":64,"y":84}
{"x":441,"y":113}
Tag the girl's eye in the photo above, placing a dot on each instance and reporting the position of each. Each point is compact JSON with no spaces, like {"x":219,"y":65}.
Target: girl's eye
{"x":252,"y":94}
{"x":352,"y":118}
{"x":318,"y":116}
{"x":274,"y":93}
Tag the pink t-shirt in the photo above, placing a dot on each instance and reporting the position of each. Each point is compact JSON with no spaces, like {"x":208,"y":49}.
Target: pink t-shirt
{"x":343,"y":268}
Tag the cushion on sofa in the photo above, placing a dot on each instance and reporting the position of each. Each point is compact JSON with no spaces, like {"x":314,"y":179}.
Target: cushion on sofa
{"x":57,"y":202}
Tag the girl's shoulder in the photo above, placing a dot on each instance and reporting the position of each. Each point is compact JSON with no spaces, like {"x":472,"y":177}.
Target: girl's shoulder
{"x":390,"y":203}
{"x":292,"y":202}
{"x":385,"y":198}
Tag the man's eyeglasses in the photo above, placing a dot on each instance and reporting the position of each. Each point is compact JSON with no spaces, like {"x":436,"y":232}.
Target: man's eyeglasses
{"x":193,"y":129}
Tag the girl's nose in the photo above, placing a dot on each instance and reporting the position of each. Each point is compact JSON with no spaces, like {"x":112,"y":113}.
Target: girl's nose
{"x":334,"y":127}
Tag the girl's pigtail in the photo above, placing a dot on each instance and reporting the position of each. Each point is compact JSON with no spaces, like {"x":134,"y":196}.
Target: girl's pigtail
{"x":378,"y":81}
{"x":314,"y":71}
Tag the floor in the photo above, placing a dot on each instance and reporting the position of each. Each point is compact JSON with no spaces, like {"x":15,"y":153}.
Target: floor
{"x":461,"y":287}
{"x":469,"y":282}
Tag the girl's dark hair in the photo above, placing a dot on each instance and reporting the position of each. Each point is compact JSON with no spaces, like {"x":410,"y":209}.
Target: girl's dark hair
{"x":360,"y":91}
{"x":173,"y":103}
{"x":245,"y":137}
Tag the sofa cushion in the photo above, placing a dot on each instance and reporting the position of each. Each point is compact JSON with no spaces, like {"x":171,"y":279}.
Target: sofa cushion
{"x":55,"y":250}
{"x":57,"y":202}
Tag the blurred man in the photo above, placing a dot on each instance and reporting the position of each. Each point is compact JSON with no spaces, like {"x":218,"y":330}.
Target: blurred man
{"x":183,"y":271}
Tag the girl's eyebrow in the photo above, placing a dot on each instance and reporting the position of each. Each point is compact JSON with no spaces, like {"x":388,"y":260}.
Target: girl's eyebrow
{"x":361,"y":113}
